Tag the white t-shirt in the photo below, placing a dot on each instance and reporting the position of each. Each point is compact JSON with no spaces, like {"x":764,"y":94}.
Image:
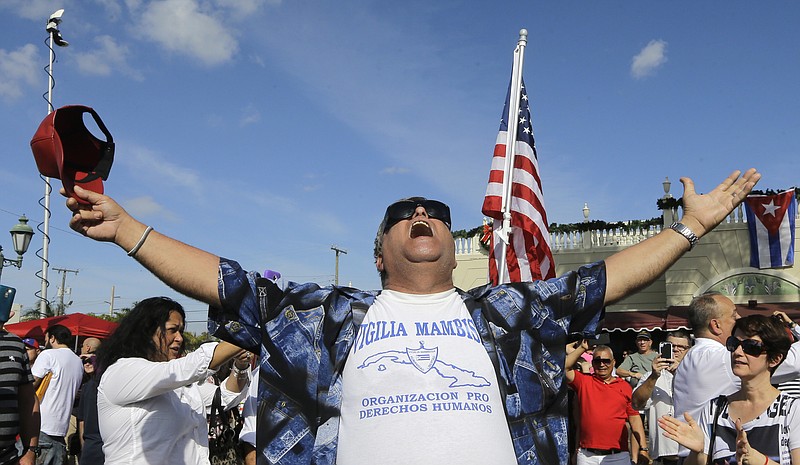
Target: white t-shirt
{"x":658,"y":405}
{"x":155,"y":412}
{"x":419,"y":387}
{"x":774,"y":433}
{"x":56,"y":406}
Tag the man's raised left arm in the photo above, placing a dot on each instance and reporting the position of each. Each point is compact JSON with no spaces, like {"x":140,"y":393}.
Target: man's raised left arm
{"x":637,"y":266}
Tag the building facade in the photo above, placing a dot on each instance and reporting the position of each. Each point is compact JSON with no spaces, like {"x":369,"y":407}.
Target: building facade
{"x":720,"y":262}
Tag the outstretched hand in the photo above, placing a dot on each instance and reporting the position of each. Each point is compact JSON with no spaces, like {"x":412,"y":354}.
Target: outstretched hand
{"x":100,"y":219}
{"x":708,"y":210}
{"x":688,"y":434}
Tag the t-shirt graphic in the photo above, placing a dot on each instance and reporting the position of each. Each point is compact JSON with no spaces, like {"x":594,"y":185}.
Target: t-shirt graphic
{"x":426,"y":359}
{"x":418,"y":387}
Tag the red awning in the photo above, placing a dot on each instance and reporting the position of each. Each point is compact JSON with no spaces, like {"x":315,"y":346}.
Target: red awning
{"x":633,"y":320}
{"x":79,"y":324}
{"x":676,"y":317}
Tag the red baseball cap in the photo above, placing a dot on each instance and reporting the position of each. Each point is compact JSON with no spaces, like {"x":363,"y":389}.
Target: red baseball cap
{"x":65,"y":149}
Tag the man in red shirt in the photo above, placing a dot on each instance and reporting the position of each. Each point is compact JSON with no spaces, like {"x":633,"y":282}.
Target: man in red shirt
{"x":604,"y":403}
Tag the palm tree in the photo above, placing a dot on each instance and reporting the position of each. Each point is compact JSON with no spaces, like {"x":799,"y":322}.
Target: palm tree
{"x":34,"y":313}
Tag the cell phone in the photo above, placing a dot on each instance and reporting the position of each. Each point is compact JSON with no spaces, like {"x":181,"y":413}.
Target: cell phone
{"x":665,"y":350}
{"x":600,"y":339}
{"x":6,"y":301}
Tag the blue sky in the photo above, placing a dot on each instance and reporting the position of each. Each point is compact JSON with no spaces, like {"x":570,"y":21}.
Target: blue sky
{"x":269,"y":130}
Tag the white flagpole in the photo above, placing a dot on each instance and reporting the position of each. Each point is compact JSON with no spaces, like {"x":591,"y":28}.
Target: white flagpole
{"x":511,"y":142}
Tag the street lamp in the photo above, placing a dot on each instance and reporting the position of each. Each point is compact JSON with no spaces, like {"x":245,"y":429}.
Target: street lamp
{"x":666,"y":185}
{"x":21,"y":235}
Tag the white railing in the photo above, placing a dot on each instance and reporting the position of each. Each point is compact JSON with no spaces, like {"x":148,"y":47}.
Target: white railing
{"x":468,"y":245}
{"x":577,"y":240}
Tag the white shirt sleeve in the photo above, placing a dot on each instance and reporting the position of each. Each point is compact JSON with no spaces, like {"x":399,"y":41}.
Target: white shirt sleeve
{"x":786,"y":371}
{"x":248,"y":432}
{"x":131,"y":380}
{"x":42,"y":365}
{"x":705,"y":425}
{"x":644,"y":378}
{"x":231,"y":399}
{"x":793,"y":422}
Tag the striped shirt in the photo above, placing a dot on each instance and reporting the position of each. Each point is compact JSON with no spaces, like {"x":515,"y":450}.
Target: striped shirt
{"x":15,"y":370}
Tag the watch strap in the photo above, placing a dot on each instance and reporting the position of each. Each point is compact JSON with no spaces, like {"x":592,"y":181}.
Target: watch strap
{"x":684,"y":231}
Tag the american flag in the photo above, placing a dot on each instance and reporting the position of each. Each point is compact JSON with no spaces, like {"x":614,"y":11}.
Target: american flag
{"x":528,"y":255}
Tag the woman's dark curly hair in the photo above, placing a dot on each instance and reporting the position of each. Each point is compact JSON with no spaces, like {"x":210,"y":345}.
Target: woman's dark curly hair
{"x":773,"y":333}
{"x":134,"y":335}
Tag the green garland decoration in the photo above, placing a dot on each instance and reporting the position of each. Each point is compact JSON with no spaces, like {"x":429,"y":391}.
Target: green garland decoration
{"x":600,"y":225}
{"x":464,"y":234}
{"x":669,"y":203}
{"x":774,"y":192}
{"x":595,"y":225}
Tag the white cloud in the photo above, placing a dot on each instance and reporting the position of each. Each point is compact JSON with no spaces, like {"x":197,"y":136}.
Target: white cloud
{"x":112,"y":7}
{"x":258,"y":60}
{"x":31,"y":9}
{"x":154,"y":166}
{"x":17,"y":69}
{"x":109,"y":56}
{"x":649,"y":59}
{"x":250,"y":115}
{"x":241,"y":9}
{"x":147,"y":207}
{"x":328,"y":222}
{"x":181,"y":27}
{"x":395,"y":170}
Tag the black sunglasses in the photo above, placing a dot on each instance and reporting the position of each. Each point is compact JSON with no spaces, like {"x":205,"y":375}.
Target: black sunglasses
{"x":749,"y":346}
{"x":598,"y":361}
{"x":405,"y":209}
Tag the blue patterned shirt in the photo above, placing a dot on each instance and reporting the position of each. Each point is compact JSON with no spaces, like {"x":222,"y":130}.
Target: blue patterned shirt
{"x":304,"y":334}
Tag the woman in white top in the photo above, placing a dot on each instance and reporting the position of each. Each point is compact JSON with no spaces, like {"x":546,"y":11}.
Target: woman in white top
{"x":149,"y":405}
{"x":757,"y":425}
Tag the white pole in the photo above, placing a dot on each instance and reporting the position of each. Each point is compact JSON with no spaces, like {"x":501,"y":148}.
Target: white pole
{"x":111,"y":303}
{"x":47,"y":190}
{"x":511,"y":142}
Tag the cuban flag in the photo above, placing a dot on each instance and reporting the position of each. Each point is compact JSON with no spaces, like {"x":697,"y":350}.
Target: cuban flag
{"x":771,"y":220}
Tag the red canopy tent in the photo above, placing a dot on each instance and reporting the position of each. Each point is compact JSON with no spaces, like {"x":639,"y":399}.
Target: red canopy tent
{"x":80,"y":324}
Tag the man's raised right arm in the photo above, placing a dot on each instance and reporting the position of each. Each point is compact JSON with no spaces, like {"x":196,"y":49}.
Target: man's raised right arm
{"x":574,"y":352}
{"x":188,"y":270}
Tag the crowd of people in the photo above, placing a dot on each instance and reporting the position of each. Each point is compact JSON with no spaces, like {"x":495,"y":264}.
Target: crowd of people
{"x":733,"y":371}
{"x":419,"y":372}
{"x":135,"y":397}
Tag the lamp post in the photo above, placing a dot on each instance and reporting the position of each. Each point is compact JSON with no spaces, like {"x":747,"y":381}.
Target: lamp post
{"x":21,"y":235}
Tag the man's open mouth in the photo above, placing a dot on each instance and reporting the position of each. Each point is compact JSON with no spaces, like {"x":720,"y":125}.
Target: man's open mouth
{"x":421,"y":228}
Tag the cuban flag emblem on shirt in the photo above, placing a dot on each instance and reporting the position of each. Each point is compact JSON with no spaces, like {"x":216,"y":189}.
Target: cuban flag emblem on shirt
{"x":771,"y":222}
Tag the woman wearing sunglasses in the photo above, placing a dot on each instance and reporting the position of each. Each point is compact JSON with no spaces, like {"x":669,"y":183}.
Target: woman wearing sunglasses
{"x":757,"y":425}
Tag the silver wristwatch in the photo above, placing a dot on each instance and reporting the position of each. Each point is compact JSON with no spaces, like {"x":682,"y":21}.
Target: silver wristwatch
{"x":684,"y":231}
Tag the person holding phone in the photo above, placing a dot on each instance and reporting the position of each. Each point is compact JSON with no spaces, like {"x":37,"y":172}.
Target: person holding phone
{"x":653,"y":394}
